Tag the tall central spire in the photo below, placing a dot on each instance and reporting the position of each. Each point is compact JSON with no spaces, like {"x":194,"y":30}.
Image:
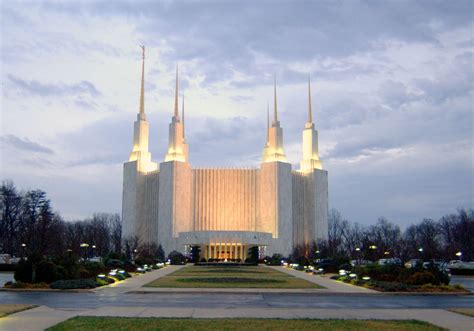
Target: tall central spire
{"x":275,"y":107}
{"x":268,"y":121}
{"x":142,"y":91}
{"x":310,"y":110}
{"x":176,"y":114}
{"x":182,"y":115}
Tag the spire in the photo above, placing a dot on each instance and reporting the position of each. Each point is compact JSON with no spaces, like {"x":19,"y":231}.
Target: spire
{"x":176,"y":95}
{"x":275,"y":109}
{"x":142,"y":91}
{"x":310,"y":110}
{"x":182,"y":115}
{"x":268,"y":121}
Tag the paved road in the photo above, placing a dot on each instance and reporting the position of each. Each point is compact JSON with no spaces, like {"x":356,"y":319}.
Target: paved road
{"x":223,"y":300}
{"x":466,"y":281}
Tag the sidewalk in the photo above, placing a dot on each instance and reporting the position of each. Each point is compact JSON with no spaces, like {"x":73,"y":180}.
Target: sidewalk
{"x":136,"y":282}
{"x":329,"y":284}
{"x":43,"y":317}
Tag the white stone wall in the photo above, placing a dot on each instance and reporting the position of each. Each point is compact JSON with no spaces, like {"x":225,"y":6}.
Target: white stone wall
{"x":321,"y":203}
{"x":276,"y":206}
{"x":225,"y":199}
{"x":129,"y":200}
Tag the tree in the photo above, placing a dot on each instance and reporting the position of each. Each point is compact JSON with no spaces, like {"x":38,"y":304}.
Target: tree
{"x":195,"y":253}
{"x":160,"y":253}
{"x":10,"y":209}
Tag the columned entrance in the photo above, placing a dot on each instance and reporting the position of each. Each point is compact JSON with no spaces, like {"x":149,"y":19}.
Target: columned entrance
{"x":225,"y":251}
{"x":225,"y":245}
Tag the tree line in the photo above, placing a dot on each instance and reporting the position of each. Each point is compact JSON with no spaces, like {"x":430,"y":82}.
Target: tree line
{"x":449,"y":238}
{"x":29,"y":227}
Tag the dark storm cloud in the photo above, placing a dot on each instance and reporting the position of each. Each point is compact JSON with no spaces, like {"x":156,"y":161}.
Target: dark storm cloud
{"x":24,"y":144}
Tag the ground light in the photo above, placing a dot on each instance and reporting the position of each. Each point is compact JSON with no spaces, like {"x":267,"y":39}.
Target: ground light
{"x":352,"y":275}
{"x":366,"y":278}
{"x":101,"y":275}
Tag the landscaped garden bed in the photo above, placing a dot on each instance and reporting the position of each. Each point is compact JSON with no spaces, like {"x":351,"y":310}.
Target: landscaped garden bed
{"x":144,"y":324}
{"x":392,"y":278}
{"x":230,"y":277}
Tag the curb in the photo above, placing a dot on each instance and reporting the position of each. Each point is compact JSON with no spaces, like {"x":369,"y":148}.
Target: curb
{"x":309,"y":293}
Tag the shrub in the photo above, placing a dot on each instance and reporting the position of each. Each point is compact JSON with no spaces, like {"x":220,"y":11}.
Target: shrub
{"x":345,"y":266}
{"x":421,"y":278}
{"x":114,"y":263}
{"x":177,"y":258}
{"x":7,"y":267}
{"x":64,"y":284}
{"x":47,"y":272}
{"x":23,"y":272}
{"x":144,"y":260}
{"x":27,"y":285}
{"x":275,"y":259}
{"x":90,"y":269}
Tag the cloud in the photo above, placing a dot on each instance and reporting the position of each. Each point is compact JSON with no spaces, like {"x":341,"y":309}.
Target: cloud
{"x":25,"y":144}
{"x":392,"y":94}
{"x":45,"y":90}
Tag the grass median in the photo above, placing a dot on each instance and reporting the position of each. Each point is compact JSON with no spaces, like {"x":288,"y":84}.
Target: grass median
{"x":7,"y":309}
{"x":146,"y":324}
{"x":231,"y":277}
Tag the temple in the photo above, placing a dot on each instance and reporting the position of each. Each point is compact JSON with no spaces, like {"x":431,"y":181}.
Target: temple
{"x":225,"y":211}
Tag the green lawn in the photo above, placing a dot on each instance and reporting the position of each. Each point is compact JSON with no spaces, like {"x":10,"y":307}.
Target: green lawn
{"x":145,"y":324}
{"x":464,"y":311}
{"x":7,"y":309}
{"x":230,"y":277}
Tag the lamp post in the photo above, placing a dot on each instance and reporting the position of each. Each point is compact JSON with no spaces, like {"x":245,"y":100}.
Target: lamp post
{"x":373,"y":248}
{"x":23,"y":251}
{"x":85,"y":246}
{"x":357,"y":249}
{"x":133,"y":254}
{"x":459,"y":254}
{"x":420,"y":250}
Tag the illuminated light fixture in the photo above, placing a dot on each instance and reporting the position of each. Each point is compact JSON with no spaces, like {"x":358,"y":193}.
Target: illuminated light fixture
{"x":420,"y":249}
{"x":112,"y":273}
{"x":357,"y":249}
{"x":84,"y":245}
{"x":352,"y":275}
{"x":386,"y":253}
{"x":366,"y":278}
{"x":321,"y":269}
{"x":23,"y":245}
{"x":101,"y":275}
{"x":317,"y":252}
{"x":93,"y":246}
{"x":459,"y":254}
{"x":121,"y":271}
{"x":373,"y":247}
{"x":342,"y":272}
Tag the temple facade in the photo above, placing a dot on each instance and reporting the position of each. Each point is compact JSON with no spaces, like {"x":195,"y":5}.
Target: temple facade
{"x":225,"y":211}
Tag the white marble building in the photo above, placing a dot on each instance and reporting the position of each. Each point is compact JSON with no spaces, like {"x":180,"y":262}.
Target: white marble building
{"x":224,"y":210}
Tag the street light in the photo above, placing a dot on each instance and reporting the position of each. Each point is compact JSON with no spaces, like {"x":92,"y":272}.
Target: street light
{"x":420,"y":249}
{"x":23,"y":251}
{"x":459,"y":254}
{"x":85,"y":246}
{"x":357,"y":249}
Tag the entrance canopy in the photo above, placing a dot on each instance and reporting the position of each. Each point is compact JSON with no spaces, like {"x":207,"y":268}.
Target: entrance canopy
{"x":225,"y":244}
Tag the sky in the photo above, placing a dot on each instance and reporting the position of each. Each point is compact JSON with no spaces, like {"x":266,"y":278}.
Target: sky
{"x":392,"y":90}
